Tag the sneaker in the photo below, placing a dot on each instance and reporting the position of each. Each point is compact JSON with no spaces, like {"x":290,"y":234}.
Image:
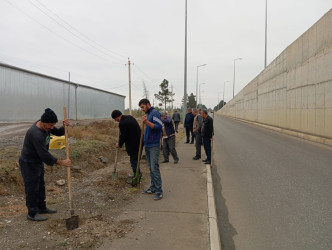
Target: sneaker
{"x":186,"y":142}
{"x":204,"y":160}
{"x":165,"y":161}
{"x":196,"y":158}
{"x":207,"y":162}
{"x":148,"y":191}
{"x":131,"y":175}
{"x":158,"y":196}
{"x":37,"y":217}
{"x":47,"y":211}
{"x":192,"y":142}
{"x":176,"y":161}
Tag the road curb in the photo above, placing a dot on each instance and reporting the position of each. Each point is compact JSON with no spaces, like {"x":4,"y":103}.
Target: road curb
{"x":215,"y":243}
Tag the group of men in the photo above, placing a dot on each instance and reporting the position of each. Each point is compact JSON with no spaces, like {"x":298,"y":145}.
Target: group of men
{"x":199,"y":125}
{"x":159,"y":134}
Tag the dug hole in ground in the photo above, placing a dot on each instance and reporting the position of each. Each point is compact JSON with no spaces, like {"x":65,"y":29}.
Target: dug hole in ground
{"x":97,"y":197}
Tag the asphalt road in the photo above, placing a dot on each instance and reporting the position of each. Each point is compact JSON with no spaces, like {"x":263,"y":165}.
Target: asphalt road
{"x":273,"y":191}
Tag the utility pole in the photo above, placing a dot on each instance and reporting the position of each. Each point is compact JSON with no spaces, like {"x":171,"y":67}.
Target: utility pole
{"x":172,"y":100}
{"x":185,"y":69}
{"x":129,"y":86}
{"x":265,"y":34}
{"x":68,"y":93}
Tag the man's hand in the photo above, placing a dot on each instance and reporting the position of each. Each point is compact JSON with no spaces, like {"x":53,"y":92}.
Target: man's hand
{"x":211,"y":138}
{"x":117,"y":145}
{"x":66,"y":122}
{"x":66,"y":162}
{"x":144,"y":119}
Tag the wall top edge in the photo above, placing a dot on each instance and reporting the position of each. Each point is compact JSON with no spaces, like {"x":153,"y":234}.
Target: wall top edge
{"x":54,"y":78}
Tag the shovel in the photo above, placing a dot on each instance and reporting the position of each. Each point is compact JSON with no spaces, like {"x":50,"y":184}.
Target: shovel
{"x":72,"y":222}
{"x":137,"y":179}
{"x":114,"y":173}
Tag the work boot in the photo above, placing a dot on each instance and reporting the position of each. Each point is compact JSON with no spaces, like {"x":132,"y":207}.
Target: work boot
{"x":37,"y":217}
{"x":47,"y":211}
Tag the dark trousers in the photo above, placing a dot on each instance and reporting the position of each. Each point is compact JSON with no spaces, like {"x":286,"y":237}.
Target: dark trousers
{"x":189,"y":130}
{"x":169,"y":148}
{"x":133,"y":162}
{"x":34,"y":184}
{"x":176,"y":125}
{"x":207,"y":148}
{"x":198,"y":144}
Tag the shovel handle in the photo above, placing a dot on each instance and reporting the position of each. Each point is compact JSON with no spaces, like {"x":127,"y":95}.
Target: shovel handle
{"x":140,"y":149}
{"x":116,"y":153}
{"x":68,"y":168}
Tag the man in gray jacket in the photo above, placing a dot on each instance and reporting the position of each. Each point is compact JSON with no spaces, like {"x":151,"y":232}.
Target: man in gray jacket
{"x":198,"y":122}
{"x":176,"y":118}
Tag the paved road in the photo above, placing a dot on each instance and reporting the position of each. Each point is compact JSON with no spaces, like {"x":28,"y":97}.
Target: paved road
{"x":272,"y":191}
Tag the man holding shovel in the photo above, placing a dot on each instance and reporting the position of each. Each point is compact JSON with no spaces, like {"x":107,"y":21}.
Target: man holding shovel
{"x":130,"y":134}
{"x":152,"y":135}
{"x":33,"y":156}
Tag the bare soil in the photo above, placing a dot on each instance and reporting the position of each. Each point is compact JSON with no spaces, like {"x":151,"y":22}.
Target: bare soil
{"x":98,"y":198}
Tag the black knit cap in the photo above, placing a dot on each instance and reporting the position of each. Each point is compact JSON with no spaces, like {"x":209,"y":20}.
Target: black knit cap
{"x":49,"y":116}
{"x":116,"y":114}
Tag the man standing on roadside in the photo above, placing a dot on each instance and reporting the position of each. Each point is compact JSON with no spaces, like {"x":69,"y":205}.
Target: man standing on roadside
{"x":33,"y":156}
{"x":176,"y":118}
{"x":152,"y":134}
{"x":188,"y":124}
{"x":130,"y":134}
{"x":198,"y":122}
{"x":168,"y":134}
{"x":207,"y":135}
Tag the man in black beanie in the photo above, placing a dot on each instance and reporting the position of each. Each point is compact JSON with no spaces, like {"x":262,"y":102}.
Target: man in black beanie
{"x":130,"y":134}
{"x":33,"y":156}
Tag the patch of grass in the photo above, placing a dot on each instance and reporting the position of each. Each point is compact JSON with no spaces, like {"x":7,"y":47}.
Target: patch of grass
{"x":63,"y":243}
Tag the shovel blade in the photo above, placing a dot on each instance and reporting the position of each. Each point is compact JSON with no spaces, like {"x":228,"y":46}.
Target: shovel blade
{"x":72,"y":222}
{"x":136,"y":180}
{"x":114,"y":175}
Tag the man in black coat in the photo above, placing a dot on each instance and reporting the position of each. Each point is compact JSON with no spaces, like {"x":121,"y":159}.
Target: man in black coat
{"x":207,"y":135}
{"x":188,"y":124}
{"x":130,"y":134}
{"x":33,"y":156}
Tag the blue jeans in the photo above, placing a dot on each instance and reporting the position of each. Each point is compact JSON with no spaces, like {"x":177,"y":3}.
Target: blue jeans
{"x":207,"y":148}
{"x":152,"y":157}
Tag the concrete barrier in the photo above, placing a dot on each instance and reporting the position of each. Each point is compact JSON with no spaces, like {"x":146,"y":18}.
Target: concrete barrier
{"x":295,"y":91}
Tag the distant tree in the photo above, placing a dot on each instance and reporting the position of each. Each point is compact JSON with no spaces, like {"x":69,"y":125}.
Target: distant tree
{"x":146,"y":92}
{"x":191,"y":101}
{"x":220,"y":105}
{"x":165,"y":95}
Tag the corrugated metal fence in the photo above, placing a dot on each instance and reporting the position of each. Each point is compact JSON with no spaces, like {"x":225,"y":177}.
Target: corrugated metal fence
{"x":24,"y":95}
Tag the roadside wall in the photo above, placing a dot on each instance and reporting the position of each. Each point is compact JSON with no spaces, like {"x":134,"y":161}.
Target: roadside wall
{"x":24,"y":95}
{"x":295,"y":90}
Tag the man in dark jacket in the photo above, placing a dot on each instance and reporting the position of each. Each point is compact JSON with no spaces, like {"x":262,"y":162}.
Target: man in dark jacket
{"x":176,"y":118}
{"x":207,"y":135}
{"x":168,"y":134}
{"x":33,"y":156}
{"x":130,"y":134}
{"x":188,"y":124}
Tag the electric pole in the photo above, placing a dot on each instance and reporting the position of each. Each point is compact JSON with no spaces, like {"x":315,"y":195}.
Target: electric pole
{"x":129,"y":86}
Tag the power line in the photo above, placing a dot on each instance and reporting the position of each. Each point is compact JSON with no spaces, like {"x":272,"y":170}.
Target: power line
{"x":54,"y":33}
{"x":76,"y":30}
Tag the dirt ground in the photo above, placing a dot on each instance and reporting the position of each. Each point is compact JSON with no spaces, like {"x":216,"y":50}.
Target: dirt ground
{"x":98,"y":198}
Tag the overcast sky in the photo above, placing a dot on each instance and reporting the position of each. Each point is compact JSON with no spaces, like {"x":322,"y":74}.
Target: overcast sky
{"x":93,"y":39}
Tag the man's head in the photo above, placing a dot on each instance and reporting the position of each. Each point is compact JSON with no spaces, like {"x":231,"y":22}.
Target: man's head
{"x":163,"y":114}
{"x":199,"y":110}
{"x":144,"y":104}
{"x":204,"y":113}
{"x":189,"y":110}
{"x":48,"y":119}
{"x":194,"y":112}
{"x":116,"y":115}
{"x":175,"y":111}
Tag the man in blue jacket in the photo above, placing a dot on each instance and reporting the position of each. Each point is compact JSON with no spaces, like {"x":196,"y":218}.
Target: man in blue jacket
{"x":152,"y":135}
{"x":168,"y":138}
{"x":188,"y":124}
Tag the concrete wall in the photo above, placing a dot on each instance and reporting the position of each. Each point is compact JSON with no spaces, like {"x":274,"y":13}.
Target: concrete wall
{"x":24,"y":95}
{"x":295,"y":91}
